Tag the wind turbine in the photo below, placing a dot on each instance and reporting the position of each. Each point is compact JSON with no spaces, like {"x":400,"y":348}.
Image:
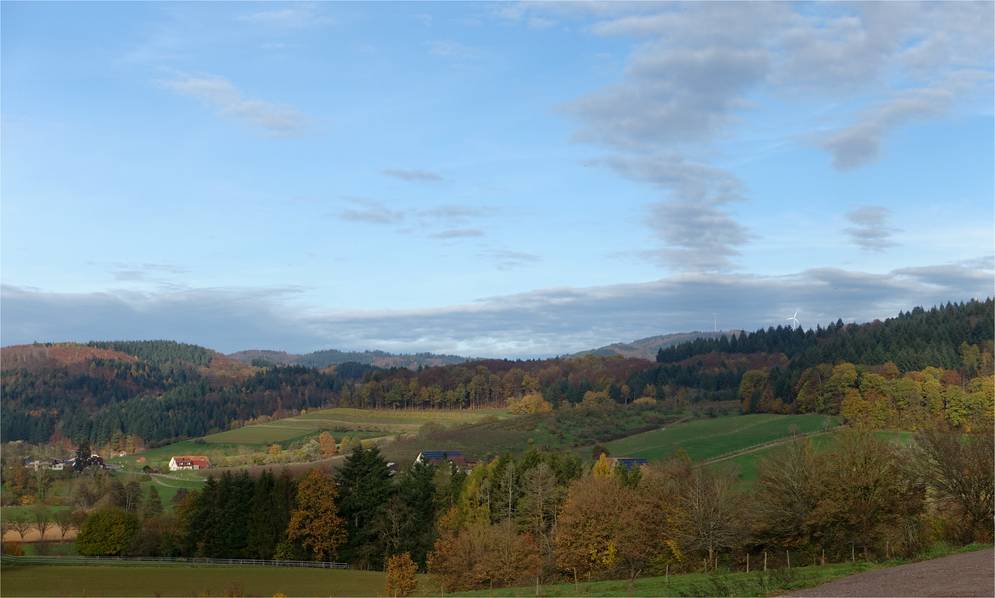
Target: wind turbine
{"x":794,"y":319}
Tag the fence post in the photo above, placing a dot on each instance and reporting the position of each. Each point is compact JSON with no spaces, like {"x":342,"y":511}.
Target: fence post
{"x":788,"y":552}
{"x":765,"y":561}
{"x":747,"y":562}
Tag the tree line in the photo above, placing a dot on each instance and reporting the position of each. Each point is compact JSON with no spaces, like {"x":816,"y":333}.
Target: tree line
{"x":542,"y":517}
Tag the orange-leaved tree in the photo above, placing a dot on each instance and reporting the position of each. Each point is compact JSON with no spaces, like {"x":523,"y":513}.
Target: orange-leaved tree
{"x":401,"y":572}
{"x":315,"y":523}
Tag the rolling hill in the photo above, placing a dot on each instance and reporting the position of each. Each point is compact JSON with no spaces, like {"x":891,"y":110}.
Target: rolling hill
{"x":647,"y":348}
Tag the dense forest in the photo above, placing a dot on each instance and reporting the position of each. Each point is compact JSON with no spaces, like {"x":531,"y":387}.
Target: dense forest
{"x":921,"y":364}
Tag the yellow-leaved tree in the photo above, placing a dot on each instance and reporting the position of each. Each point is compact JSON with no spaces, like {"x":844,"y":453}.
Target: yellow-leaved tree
{"x":401,"y":572}
{"x":327,"y":443}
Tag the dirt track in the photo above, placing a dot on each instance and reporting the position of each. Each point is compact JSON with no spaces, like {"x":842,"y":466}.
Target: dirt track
{"x":969,"y":574}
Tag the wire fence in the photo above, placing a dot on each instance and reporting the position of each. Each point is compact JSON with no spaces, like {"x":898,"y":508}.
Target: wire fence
{"x":161,"y":560}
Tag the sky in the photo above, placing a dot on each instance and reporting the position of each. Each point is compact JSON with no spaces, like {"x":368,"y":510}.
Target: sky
{"x":487,"y":179}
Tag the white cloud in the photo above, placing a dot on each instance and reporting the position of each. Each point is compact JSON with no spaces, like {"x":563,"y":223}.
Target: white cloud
{"x":289,"y":15}
{"x":870,"y":230}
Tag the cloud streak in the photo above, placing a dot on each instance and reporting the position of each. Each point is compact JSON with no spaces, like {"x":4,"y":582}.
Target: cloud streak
{"x":697,"y":234}
{"x":222,"y":95}
{"x":414,"y":176}
{"x":870,"y":230}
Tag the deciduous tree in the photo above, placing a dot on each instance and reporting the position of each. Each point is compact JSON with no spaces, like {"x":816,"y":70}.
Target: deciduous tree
{"x":401,"y":580}
{"x":315,"y":522}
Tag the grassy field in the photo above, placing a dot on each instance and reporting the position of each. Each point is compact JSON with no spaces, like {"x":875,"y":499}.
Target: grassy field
{"x":721,"y":583}
{"x":748,"y":464}
{"x":339,"y":421}
{"x":695,"y":584}
{"x":557,"y":430}
{"x":349,"y":421}
{"x":184,"y":580}
{"x":705,"y":439}
{"x":167,"y":487}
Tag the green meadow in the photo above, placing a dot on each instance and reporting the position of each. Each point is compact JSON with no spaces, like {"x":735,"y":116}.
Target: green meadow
{"x":708,"y":438}
{"x":183,"y":580}
{"x":748,"y":464}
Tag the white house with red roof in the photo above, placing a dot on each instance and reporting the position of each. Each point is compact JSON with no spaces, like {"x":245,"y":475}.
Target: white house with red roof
{"x":188,"y":462}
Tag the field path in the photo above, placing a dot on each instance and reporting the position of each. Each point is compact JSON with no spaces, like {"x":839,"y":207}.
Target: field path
{"x":967,"y":574}
{"x":765,"y":445}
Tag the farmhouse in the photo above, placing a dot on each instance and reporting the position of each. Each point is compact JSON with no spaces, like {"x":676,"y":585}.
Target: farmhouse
{"x":188,"y":462}
{"x":440,"y":457}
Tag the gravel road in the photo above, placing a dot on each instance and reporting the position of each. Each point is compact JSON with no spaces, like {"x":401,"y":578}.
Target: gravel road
{"x":968,"y":574}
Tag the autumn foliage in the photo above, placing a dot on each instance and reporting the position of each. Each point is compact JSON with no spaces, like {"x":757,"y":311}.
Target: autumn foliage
{"x":315,"y":522}
{"x":401,"y":572}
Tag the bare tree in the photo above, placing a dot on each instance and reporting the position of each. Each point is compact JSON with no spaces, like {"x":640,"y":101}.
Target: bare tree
{"x":65,"y":523}
{"x":960,"y":468}
{"x":710,"y":517}
{"x":21,"y":524}
{"x":42,"y":520}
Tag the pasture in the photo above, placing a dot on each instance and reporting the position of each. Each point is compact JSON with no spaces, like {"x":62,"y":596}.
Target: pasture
{"x":708,"y":438}
{"x":355,"y":423}
{"x":183,"y":580}
{"x":556,"y":430}
{"x":748,"y":464}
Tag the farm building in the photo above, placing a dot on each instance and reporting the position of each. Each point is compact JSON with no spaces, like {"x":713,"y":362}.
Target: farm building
{"x":189,"y":462}
{"x":440,"y":457}
{"x":629,"y":462}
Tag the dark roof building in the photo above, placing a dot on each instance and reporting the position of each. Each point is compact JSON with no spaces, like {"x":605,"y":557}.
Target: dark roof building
{"x":630,"y":462}
{"x":439,"y":457}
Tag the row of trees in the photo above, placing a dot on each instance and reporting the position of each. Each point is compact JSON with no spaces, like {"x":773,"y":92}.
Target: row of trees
{"x":862,"y":497}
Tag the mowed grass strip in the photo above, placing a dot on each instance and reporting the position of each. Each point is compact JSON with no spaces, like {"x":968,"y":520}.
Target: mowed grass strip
{"x":704,"y":439}
{"x":184,"y":580}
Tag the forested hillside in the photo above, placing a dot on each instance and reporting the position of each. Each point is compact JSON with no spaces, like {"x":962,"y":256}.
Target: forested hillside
{"x":921,"y":365}
{"x":330,"y":357}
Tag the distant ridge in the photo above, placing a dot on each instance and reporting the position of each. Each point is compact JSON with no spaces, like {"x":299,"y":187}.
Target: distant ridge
{"x":330,"y":357}
{"x":646,"y":348}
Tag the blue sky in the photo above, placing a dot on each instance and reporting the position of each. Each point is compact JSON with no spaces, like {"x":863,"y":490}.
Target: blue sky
{"x":512,"y":179}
